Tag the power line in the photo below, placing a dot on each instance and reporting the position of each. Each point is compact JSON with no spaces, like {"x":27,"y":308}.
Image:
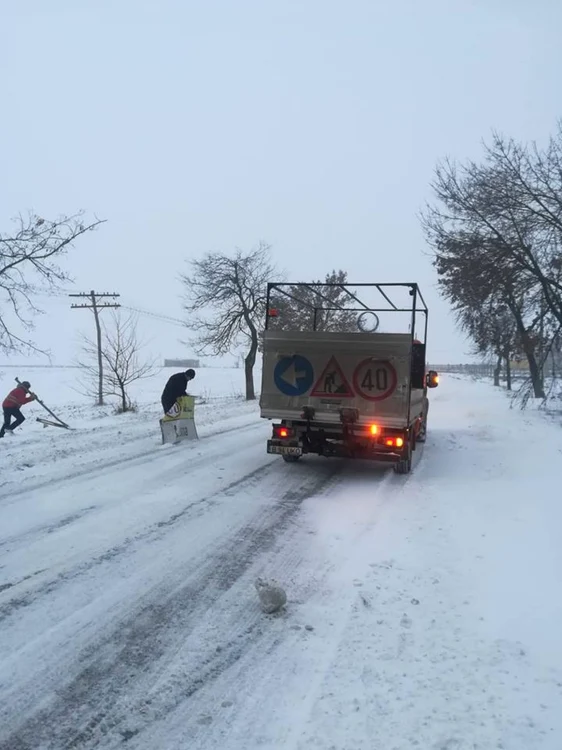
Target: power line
{"x":63,"y":294}
{"x":159,"y":316}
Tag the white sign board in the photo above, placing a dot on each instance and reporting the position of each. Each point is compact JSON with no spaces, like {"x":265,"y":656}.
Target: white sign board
{"x":179,"y":423}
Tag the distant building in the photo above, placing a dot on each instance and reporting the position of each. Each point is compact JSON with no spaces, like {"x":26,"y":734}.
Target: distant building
{"x":521,"y":365}
{"x":185,"y":363}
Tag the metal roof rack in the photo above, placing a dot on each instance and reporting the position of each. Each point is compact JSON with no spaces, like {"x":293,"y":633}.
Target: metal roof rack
{"x":384,"y":289}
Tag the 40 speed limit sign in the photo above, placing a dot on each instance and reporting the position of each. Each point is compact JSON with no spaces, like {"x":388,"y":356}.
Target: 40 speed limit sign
{"x":374,"y":379}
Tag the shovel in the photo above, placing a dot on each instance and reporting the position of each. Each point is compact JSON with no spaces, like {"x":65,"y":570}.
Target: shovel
{"x":45,"y":422}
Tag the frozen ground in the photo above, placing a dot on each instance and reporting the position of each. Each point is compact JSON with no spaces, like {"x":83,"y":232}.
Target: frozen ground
{"x":424,"y":611}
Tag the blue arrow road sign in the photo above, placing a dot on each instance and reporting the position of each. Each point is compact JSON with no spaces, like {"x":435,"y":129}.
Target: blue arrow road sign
{"x":294,"y":375}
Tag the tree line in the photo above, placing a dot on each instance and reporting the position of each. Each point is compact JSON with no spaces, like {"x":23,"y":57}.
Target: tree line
{"x":495,"y":228}
{"x":224,"y":303}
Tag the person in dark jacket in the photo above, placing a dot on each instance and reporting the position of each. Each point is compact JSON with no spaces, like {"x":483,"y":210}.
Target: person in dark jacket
{"x":12,"y":407}
{"x":176,"y":387}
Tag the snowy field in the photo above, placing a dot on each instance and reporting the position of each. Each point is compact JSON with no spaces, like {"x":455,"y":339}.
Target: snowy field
{"x":423,"y":611}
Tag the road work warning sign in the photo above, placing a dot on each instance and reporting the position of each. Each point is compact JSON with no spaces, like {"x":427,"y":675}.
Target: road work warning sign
{"x":332,"y":383}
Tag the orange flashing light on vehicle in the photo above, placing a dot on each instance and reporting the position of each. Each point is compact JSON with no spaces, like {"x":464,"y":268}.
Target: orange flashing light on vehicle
{"x":396,"y":442}
{"x":432,"y":379}
{"x":374,"y":429}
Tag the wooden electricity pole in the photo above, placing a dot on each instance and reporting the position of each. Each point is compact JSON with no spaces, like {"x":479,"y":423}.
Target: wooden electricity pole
{"x":95,"y":305}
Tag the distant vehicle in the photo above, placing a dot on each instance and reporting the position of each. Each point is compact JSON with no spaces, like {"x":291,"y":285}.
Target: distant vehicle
{"x":355,"y":394}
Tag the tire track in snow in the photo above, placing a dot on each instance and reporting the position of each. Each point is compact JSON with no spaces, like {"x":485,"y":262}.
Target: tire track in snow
{"x":156,"y":530}
{"x":195,"y":462}
{"x":95,"y":705}
{"x":48,"y":528}
{"x":282,"y":658}
{"x":137,"y":458}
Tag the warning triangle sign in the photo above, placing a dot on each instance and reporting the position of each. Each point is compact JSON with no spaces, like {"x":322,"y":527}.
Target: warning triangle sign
{"x":332,"y":382}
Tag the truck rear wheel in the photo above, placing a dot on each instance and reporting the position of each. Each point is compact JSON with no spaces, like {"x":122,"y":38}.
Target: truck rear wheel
{"x":290,"y":459}
{"x":404,"y":465}
{"x":423,"y":429}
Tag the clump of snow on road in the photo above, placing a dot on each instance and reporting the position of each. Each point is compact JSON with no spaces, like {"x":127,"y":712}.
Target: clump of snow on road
{"x":271,"y":594}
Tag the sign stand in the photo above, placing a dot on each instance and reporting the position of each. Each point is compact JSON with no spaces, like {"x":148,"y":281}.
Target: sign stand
{"x":179,"y":423}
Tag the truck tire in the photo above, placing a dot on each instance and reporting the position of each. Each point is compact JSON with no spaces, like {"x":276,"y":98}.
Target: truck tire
{"x":290,"y":459}
{"x":423,"y":430}
{"x":404,"y":466}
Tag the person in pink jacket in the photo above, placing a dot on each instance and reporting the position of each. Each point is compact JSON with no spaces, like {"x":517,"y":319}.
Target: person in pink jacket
{"x":12,"y":407}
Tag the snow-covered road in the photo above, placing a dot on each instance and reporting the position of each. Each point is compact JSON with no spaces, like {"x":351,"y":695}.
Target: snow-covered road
{"x":423,"y":611}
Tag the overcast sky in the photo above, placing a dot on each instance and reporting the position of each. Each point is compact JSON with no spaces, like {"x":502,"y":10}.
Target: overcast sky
{"x":311,"y":124}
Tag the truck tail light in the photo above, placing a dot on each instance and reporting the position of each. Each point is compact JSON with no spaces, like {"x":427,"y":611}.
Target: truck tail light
{"x":374,"y":429}
{"x":394,"y":442}
{"x":280,"y":431}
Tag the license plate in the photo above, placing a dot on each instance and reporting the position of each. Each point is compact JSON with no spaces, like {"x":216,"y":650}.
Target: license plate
{"x":284,"y":450}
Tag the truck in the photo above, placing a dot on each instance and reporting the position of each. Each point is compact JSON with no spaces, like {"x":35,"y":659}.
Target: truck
{"x":360,"y":393}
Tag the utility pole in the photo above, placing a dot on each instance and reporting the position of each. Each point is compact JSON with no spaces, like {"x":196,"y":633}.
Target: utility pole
{"x":95,"y":305}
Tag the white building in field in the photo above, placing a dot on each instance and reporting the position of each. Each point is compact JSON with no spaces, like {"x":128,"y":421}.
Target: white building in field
{"x":182,"y":363}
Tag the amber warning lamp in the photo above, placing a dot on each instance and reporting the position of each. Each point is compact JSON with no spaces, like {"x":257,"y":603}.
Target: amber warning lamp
{"x":432,"y":379}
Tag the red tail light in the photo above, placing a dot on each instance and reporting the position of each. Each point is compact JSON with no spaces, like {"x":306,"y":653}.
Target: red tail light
{"x":394,"y":442}
{"x":280,"y":431}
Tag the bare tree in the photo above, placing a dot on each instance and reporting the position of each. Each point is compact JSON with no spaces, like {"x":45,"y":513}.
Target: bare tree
{"x":497,"y":237}
{"x":29,"y":266}
{"x":225,"y":298}
{"x":493,"y":331}
{"x":513,"y":202}
{"x":495,"y":303}
{"x":122,"y":360}
{"x":312,"y":307}
{"x":88,"y":381}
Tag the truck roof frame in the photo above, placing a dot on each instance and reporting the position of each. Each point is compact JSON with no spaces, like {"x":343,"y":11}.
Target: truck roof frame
{"x":384,"y":289}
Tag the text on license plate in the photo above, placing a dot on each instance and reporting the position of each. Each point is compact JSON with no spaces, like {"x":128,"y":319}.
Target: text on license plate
{"x":285,"y":450}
